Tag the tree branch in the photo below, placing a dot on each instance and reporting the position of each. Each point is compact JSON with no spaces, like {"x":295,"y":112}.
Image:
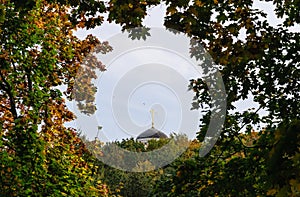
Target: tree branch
{"x":8,"y":89}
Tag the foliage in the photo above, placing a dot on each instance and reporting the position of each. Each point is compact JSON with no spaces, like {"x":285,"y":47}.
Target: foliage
{"x":39,"y":53}
{"x":123,"y":183}
{"x":253,"y":171}
{"x":39,"y":155}
{"x":262,"y":66}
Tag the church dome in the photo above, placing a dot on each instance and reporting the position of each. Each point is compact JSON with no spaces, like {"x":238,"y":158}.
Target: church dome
{"x":151,"y":133}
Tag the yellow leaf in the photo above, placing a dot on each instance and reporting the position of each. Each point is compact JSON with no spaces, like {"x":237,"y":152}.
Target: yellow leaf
{"x":238,"y":10}
{"x":271,"y":192}
{"x":266,"y":45}
{"x":130,"y":5}
{"x":173,"y":189}
{"x":199,"y":3}
{"x":293,"y":182}
{"x":298,"y":187}
{"x":171,"y":10}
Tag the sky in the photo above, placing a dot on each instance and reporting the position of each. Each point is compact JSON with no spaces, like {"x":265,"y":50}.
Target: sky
{"x":143,"y":79}
{"x":144,"y":75}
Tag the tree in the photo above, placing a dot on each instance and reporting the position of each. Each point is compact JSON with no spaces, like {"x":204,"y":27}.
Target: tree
{"x":264,"y":65}
{"x":124,"y":183}
{"x":39,"y":53}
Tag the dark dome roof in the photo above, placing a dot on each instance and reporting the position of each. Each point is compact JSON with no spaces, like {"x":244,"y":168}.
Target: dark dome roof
{"x":152,"y":133}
